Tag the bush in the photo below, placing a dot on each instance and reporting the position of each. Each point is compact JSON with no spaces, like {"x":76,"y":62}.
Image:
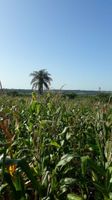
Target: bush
{"x":105,"y":97}
{"x":70,"y":95}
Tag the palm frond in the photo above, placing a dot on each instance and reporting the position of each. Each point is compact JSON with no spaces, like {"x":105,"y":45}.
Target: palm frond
{"x":41,"y":78}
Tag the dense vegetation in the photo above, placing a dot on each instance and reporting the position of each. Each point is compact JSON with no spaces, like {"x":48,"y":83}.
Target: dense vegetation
{"x":53,"y":147}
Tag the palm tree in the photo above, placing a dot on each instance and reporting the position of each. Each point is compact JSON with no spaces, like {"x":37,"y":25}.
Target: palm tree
{"x":40,"y":80}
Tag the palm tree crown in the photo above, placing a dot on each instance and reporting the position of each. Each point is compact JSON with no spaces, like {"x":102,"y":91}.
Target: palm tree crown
{"x":40,"y":80}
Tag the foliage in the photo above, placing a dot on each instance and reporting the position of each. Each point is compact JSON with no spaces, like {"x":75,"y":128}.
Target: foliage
{"x":104,"y":97}
{"x":70,"y":95}
{"x":54,"y":148}
{"x":40,"y":79}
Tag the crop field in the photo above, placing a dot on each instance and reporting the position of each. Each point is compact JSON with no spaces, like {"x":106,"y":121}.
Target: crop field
{"x":55,"y":148}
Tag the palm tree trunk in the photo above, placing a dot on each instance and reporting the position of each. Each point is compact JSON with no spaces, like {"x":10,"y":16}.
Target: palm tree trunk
{"x":40,"y":89}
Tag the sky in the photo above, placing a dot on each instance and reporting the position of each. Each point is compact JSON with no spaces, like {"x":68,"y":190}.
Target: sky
{"x":71,"y":39}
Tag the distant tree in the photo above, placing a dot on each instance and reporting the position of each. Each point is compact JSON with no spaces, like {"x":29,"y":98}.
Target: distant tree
{"x":40,"y":80}
{"x":1,"y":89}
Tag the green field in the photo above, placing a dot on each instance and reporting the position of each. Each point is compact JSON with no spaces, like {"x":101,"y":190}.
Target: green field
{"x":53,"y":147}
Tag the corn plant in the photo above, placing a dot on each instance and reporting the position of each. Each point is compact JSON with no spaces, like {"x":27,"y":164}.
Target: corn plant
{"x":55,"y":148}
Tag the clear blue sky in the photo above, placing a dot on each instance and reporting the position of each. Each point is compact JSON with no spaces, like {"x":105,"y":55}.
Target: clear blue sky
{"x":72,"y":39}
